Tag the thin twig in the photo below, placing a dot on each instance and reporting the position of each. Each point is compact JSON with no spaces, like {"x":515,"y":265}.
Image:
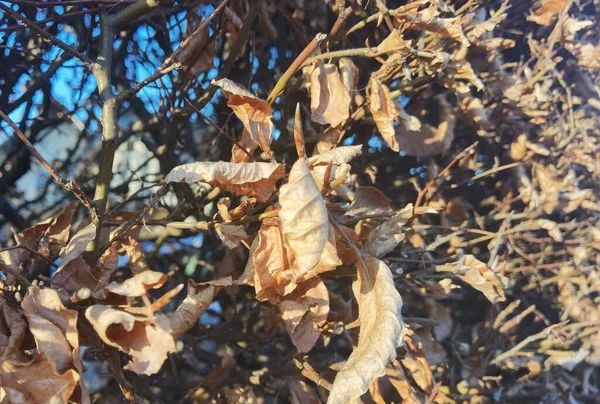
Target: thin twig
{"x":70,"y":186}
{"x":46,"y":35}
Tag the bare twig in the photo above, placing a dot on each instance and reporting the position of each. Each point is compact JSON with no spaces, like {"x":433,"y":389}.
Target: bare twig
{"x":70,"y":186}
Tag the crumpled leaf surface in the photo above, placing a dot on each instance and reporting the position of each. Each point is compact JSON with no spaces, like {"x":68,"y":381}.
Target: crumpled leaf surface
{"x":385,"y":111}
{"x":254,"y":113}
{"x":427,"y":20}
{"x":130,"y":246}
{"x":329,"y":97}
{"x":13,"y":328}
{"x":54,"y":328}
{"x":303,"y":215}
{"x":429,"y":141}
{"x":338,"y":155}
{"x":147,"y":340}
{"x":369,"y":201}
{"x":252,"y":179}
{"x":231,"y":235}
{"x":36,"y":382}
{"x":138,"y":284}
{"x":476,"y":273}
{"x":304,"y":311}
{"x":385,"y":237}
{"x":77,"y":245}
{"x":381,"y":331}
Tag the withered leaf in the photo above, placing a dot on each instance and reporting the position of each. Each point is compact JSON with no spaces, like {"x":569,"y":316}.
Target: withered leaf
{"x":338,"y":155}
{"x":133,"y":249}
{"x":147,"y":340}
{"x":37,"y":381}
{"x":369,"y":201}
{"x":77,"y":245}
{"x":393,"y":43}
{"x":381,"y":331}
{"x":349,"y":73}
{"x":12,"y":331}
{"x":231,"y":235}
{"x":474,"y":272}
{"x":304,"y":311}
{"x":329,"y":97}
{"x":429,"y":141}
{"x":199,"y":297}
{"x":303,"y":216}
{"x":254,"y":113}
{"x":138,"y":284}
{"x":54,"y":328}
{"x":252,"y":179}
{"x":196,"y":56}
{"x":385,"y":237}
{"x":385,"y":111}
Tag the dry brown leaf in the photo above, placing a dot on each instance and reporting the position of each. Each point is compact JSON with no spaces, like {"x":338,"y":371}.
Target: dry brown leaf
{"x":428,"y":21}
{"x":197,"y":56}
{"x":349,"y":73}
{"x":381,"y":331}
{"x":77,"y":245}
{"x":133,"y":249}
{"x":304,"y":312}
{"x":269,"y":265}
{"x":385,"y":237}
{"x":429,"y":141}
{"x":138,"y":284}
{"x":329,"y":98}
{"x":12,"y":331}
{"x":231,"y":235}
{"x":36,"y":381}
{"x":548,"y":10}
{"x":474,"y":109}
{"x":54,"y":229}
{"x":393,"y":43}
{"x":199,"y":297}
{"x":254,"y":113}
{"x":77,"y":275}
{"x":147,"y":340}
{"x":251,"y":179}
{"x":385,"y":111}
{"x":415,"y":362}
{"x":474,"y":272}
{"x":369,"y":201}
{"x":338,"y":156}
{"x":303,"y":216}
{"x":329,"y":140}
{"x":403,"y":384}
{"x":54,"y":329}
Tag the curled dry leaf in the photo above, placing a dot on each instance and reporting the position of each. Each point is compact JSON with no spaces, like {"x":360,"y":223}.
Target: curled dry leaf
{"x":36,"y":381}
{"x":254,"y":113}
{"x":474,"y":272}
{"x":303,"y":216}
{"x":199,"y":297}
{"x":54,"y":229}
{"x":231,"y":235}
{"x":54,"y":329}
{"x":12,"y":331}
{"x":329,"y":140}
{"x":393,"y":43}
{"x":349,"y":73}
{"x":381,"y":331}
{"x":196,"y":56}
{"x":329,"y":97}
{"x":147,"y":340}
{"x":369,"y":201}
{"x":304,"y":312}
{"x":138,"y":284}
{"x":77,"y":274}
{"x":385,"y":111}
{"x":133,"y":249}
{"x":77,"y":245}
{"x":429,"y":141}
{"x":338,"y":156}
{"x":385,"y":237}
{"x":253,"y":179}
{"x":548,"y":11}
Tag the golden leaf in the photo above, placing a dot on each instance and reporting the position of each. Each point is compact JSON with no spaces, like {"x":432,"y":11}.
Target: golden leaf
{"x":329,"y":98}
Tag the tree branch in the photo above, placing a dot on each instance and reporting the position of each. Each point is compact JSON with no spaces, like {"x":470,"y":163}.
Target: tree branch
{"x":46,"y":35}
